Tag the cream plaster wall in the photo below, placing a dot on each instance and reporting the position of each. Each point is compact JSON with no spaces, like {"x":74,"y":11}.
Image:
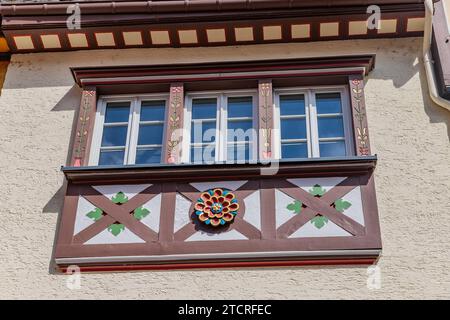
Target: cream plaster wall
{"x":409,"y":133}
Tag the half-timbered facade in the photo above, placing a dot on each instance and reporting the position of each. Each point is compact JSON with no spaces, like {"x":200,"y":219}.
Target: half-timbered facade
{"x":226,"y":134}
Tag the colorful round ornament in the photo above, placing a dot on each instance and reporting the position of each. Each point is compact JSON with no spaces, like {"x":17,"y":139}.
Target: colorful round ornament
{"x":216,"y":207}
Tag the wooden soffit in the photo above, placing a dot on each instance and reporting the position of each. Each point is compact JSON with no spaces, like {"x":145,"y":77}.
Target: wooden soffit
{"x":36,"y":28}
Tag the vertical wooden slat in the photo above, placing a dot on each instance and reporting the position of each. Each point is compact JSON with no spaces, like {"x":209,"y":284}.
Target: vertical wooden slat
{"x":267,"y":198}
{"x":168,"y":200}
{"x":85,"y":126}
{"x":265,"y":119}
{"x":358,"y":105}
{"x":172,"y":147}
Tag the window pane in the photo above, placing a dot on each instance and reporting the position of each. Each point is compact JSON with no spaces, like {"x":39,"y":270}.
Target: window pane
{"x":114,"y":136}
{"x":150,"y":155}
{"x":331,"y":127}
{"x":111,"y":157}
{"x":240,"y":107}
{"x":332,"y":148}
{"x":153,"y":110}
{"x":292,"y":104}
{"x":293,"y":129}
{"x":150,"y":134}
{"x":239,"y":130}
{"x":204,"y":108}
{"x":294,"y":150}
{"x":117,"y":112}
{"x":328,"y":103}
{"x":238,"y":152}
{"x":203,"y":131}
{"x":203,"y":154}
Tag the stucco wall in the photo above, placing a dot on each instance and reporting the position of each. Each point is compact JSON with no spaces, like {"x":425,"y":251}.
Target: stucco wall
{"x":408,"y":132}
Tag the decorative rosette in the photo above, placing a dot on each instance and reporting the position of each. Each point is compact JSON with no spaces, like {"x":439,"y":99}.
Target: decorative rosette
{"x":216,"y":207}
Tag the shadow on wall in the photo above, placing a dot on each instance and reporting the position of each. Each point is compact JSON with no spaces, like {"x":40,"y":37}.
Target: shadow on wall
{"x":435,"y":113}
{"x":401,"y":69}
{"x":69,"y":102}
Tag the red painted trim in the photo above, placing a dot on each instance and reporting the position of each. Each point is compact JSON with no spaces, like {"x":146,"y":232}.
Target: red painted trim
{"x":137,"y":267}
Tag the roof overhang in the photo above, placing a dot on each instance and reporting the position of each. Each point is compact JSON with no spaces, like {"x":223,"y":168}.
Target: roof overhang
{"x":136,"y":24}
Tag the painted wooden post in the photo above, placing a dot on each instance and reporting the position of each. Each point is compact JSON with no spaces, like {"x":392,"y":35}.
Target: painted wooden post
{"x":361,"y":132}
{"x":85,"y":125}
{"x":173,"y":145}
{"x":265,"y":117}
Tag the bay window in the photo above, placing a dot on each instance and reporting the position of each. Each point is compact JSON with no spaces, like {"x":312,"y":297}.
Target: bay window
{"x":222,"y":126}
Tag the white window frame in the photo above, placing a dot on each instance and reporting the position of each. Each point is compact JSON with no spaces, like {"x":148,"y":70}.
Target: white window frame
{"x":312,"y":130}
{"x":133,"y":124}
{"x":221,"y":121}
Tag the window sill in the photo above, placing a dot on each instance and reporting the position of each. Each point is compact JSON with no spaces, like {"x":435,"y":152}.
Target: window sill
{"x":317,"y":167}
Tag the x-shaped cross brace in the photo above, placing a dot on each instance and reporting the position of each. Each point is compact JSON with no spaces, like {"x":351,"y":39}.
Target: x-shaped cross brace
{"x":322,"y":206}
{"x":120,"y":213}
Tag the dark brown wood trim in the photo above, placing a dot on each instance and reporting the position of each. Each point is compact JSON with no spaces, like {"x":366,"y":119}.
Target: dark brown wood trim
{"x":37,"y":25}
{"x":174,"y":125}
{"x":267,"y":203}
{"x":164,"y":173}
{"x":97,"y":75}
{"x":166,"y":232}
{"x":247,"y":264}
{"x":84,"y":128}
{"x":358,"y":106}
{"x":213,"y":6}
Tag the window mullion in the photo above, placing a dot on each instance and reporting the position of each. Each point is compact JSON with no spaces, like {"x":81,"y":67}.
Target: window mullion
{"x":313,"y":131}
{"x":222,"y":128}
{"x":134,"y":131}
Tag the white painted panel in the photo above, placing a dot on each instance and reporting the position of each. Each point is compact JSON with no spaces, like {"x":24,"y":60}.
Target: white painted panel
{"x":152,"y":219}
{"x":130,"y":190}
{"x":229,"y":235}
{"x":231,"y":185}
{"x":355,"y":211}
{"x":182,"y":214}
{"x":328,"y":230}
{"x":327,"y":183}
{"x":253,"y":209}
{"x":81,"y":220}
{"x":282,"y":213}
{"x":106,"y":237}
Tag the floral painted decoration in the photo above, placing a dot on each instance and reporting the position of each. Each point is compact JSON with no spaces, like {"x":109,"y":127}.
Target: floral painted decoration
{"x":216,"y":207}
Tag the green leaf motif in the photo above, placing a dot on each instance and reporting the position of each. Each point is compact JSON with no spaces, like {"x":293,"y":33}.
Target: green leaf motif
{"x":295,"y":206}
{"x":120,"y":198}
{"x":116,"y":229}
{"x":140,"y":213}
{"x":95,"y":214}
{"x":342,"y":205}
{"x":319,"y":221}
{"x":317,"y":190}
